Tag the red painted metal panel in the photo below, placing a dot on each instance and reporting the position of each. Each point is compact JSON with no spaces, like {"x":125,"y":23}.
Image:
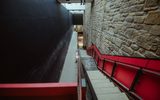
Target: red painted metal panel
{"x":100,"y":63}
{"x":89,"y":51}
{"x":97,"y":51}
{"x":83,"y":93}
{"x":37,"y":85}
{"x":94,"y":54}
{"x":39,"y":89}
{"x":108,"y":68}
{"x":148,"y":87}
{"x":109,"y":57}
{"x":64,"y":97}
{"x":133,"y":61}
{"x":125,"y":75}
{"x":154,"y":65}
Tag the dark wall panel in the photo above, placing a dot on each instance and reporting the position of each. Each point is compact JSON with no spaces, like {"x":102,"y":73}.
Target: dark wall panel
{"x":31,"y":31}
{"x":77,"y":19}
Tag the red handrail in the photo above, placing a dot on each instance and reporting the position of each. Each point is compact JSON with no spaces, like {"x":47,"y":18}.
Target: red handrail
{"x":39,"y":91}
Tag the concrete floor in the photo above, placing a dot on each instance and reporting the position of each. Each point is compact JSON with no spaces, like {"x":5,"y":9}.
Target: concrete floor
{"x":69,"y":71}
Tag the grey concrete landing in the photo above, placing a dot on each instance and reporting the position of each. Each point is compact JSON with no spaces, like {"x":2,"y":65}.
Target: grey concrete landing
{"x":69,"y":71}
{"x":87,"y":61}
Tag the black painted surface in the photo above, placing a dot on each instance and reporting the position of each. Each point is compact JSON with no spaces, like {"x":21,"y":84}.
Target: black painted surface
{"x":34,"y":37}
{"x":77,"y":19}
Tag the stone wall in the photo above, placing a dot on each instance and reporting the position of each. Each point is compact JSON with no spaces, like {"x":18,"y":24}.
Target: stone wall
{"x":124,"y":27}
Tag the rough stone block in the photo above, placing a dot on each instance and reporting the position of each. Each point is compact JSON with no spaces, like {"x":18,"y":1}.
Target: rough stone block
{"x":137,"y":13}
{"x":149,"y":54}
{"x":133,"y":35}
{"x":137,"y":54}
{"x":158,"y":51}
{"x":154,"y":48}
{"x":113,"y":47}
{"x":147,"y":27}
{"x":138,"y":26}
{"x":144,"y":45}
{"x":127,"y":49}
{"x":136,"y":8}
{"x":134,"y":47}
{"x":133,"y":2}
{"x":151,"y":8}
{"x":125,"y":10}
{"x":143,"y":42}
{"x":125,"y":15}
{"x":127,"y":42}
{"x":140,"y":1}
{"x":129,"y":31}
{"x":124,"y":53}
{"x":153,"y":18}
{"x":141,"y":50}
{"x":114,"y":53}
{"x":129,"y":19}
{"x":118,"y":17}
{"x":150,"y":3}
{"x":153,"y":40}
{"x":138,"y":19}
{"x":118,"y":26}
{"x":155,"y":30}
{"x":128,"y":25}
{"x":118,"y":42}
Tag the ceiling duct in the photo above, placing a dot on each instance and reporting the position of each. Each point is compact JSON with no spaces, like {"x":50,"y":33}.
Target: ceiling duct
{"x":75,"y":1}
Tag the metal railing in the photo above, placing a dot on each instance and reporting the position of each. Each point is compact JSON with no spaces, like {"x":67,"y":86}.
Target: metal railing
{"x":138,"y":77}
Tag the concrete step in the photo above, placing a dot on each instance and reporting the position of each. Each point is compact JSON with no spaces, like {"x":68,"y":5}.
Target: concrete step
{"x":100,"y":81}
{"x":118,"y":96}
{"x":95,"y":75}
{"x":103,"y":85}
{"x":107,"y":90}
{"x":95,"y":72}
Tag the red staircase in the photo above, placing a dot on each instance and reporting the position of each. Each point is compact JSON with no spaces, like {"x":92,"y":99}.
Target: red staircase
{"x":138,"y":77}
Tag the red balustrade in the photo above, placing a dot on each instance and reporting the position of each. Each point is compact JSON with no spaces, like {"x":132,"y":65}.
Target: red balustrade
{"x":39,"y":91}
{"x":140,"y":77}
